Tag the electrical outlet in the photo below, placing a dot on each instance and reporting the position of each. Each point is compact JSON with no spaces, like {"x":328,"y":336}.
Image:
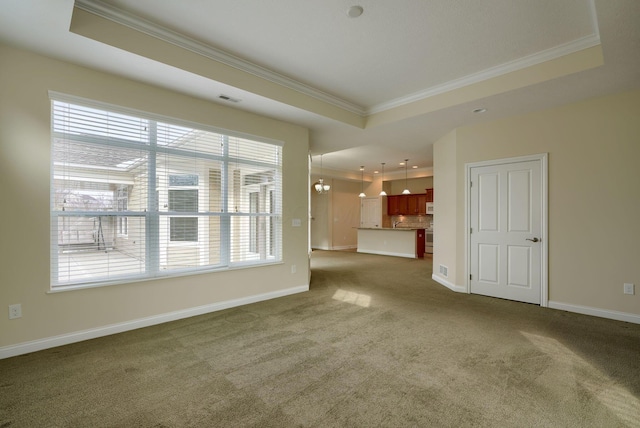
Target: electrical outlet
{"x":293,"y":269}
{"x":629,"y":289}
{"x":15,"y":311}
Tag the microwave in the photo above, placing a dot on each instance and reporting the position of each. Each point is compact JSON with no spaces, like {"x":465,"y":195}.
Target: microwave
{"x":429,"y":209}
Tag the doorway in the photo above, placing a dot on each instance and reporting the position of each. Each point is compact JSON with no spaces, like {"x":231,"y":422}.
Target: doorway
{"x":370,"y":212}
{"x":507,"y":228}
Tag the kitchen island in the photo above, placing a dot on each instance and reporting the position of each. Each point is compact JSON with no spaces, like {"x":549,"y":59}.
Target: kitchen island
{"x":399,"y":242}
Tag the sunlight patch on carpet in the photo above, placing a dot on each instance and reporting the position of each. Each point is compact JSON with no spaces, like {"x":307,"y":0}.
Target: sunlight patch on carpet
{"x":615,"y":397}
{"x":353,"y":298}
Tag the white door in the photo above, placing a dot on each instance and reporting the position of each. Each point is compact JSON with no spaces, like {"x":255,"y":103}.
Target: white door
{"x":370,"y":212}
{"x":506,"y":216}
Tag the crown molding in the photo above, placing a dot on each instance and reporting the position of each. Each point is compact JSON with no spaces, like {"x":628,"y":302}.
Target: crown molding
{"x":154,"y":30}
{"x":499,"y":70}
{"x":354,"y":174}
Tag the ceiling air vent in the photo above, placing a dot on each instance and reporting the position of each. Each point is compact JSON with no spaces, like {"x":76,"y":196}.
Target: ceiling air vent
{"x":228,"y":98}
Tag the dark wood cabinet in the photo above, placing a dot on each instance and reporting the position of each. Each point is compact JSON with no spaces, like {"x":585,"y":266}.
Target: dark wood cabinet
{"x":408,"y":204}
{"x":422,"y":204}
{"x":416,"y":204}
{"x":412,"y":205}
{"x":429,"y":195}
{"x":392,"y":205}
{"x":397,"y":205}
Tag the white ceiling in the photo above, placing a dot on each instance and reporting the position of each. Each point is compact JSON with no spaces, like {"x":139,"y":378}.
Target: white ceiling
{"x":370,"y":89}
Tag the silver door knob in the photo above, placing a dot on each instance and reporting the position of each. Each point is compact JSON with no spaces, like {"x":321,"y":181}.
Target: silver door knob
{"x":533,"y":240}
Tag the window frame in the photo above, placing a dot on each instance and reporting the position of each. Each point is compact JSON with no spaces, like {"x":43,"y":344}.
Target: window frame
{"x":122,"y":204}
{"x":153,"y":213}
{"x":173,"y":219}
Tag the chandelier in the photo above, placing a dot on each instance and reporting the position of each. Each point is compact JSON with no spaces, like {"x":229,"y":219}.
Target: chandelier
{"x":320,"y":185}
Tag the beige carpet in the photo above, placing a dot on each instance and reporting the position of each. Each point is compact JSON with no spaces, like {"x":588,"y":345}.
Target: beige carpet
{"x":375,"y":342}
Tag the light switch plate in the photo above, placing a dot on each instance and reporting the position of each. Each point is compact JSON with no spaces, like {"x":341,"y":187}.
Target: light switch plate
{"x":296,"y":222}
{"x":629,"y":288}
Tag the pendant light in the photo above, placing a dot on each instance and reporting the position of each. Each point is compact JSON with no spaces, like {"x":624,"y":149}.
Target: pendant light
{"x":362,"y":195}
{"x":319,"y":185}
{"x":406,"y":187}
{"x":382,"y":192}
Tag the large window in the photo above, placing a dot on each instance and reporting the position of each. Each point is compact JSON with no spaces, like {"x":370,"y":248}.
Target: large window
{"x":134,"y":196}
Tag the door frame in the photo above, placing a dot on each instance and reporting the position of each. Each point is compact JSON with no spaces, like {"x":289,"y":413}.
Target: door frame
{"x":544,"y":262}
{"x":378,"y":201}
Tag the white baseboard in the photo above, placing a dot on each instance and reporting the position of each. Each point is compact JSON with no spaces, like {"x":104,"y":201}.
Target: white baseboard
{"x":388,"y":253}
{"x":65,"y":339}
{"x":344,"y":247}
{"x":596,"y":312}
{"x":449,"y":285}
{"x":585,"y":310}
{"x":78,"y":336}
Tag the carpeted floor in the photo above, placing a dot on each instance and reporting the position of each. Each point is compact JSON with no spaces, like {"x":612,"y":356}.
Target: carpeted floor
{"x":374,"y":343}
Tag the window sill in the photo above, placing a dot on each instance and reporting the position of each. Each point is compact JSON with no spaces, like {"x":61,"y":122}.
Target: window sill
{"x":131,"y":280}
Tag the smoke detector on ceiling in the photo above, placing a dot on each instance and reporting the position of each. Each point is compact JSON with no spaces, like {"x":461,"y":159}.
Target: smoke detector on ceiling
{"x":354,"y":11}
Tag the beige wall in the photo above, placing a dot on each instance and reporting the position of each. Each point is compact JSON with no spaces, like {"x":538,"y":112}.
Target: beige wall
{"x":345,"y":214}
{"x":594,"y":195}
{"x":25,"y":80}
{"x":336,"y":215}
{"x":415,"y":185}
{"x":445,"y":207}
{"x":321,"y":204}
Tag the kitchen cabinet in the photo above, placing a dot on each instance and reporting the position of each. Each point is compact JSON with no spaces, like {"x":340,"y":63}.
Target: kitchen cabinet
{"x":407,"y":204}
{"x":392,"y":205}
{"x":397,"y":205}
{"x":422,"y":204}
{"x":412,"y":205}
{"x":429,"y":195}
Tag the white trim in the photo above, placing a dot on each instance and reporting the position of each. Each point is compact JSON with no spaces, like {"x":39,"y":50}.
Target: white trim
{"x":596,"y":312}
{"x":594,"y":16}
{"x":157,"y":31}
{"x":388,"y":253}
{"x":344,"y":247}
{"x":491,"y":162}
{"x":467,"y":226}
{"x":544,"y":199}
{"x":451,"y":286}
{"x":490,"y":73}
{"x":544,"y":209}
{"x":87,"y":102}
{"x":78,"y":336}
{"x":154,"y":30}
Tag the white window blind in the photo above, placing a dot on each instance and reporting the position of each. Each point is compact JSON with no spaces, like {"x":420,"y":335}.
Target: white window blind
{"x":134,"y":197}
